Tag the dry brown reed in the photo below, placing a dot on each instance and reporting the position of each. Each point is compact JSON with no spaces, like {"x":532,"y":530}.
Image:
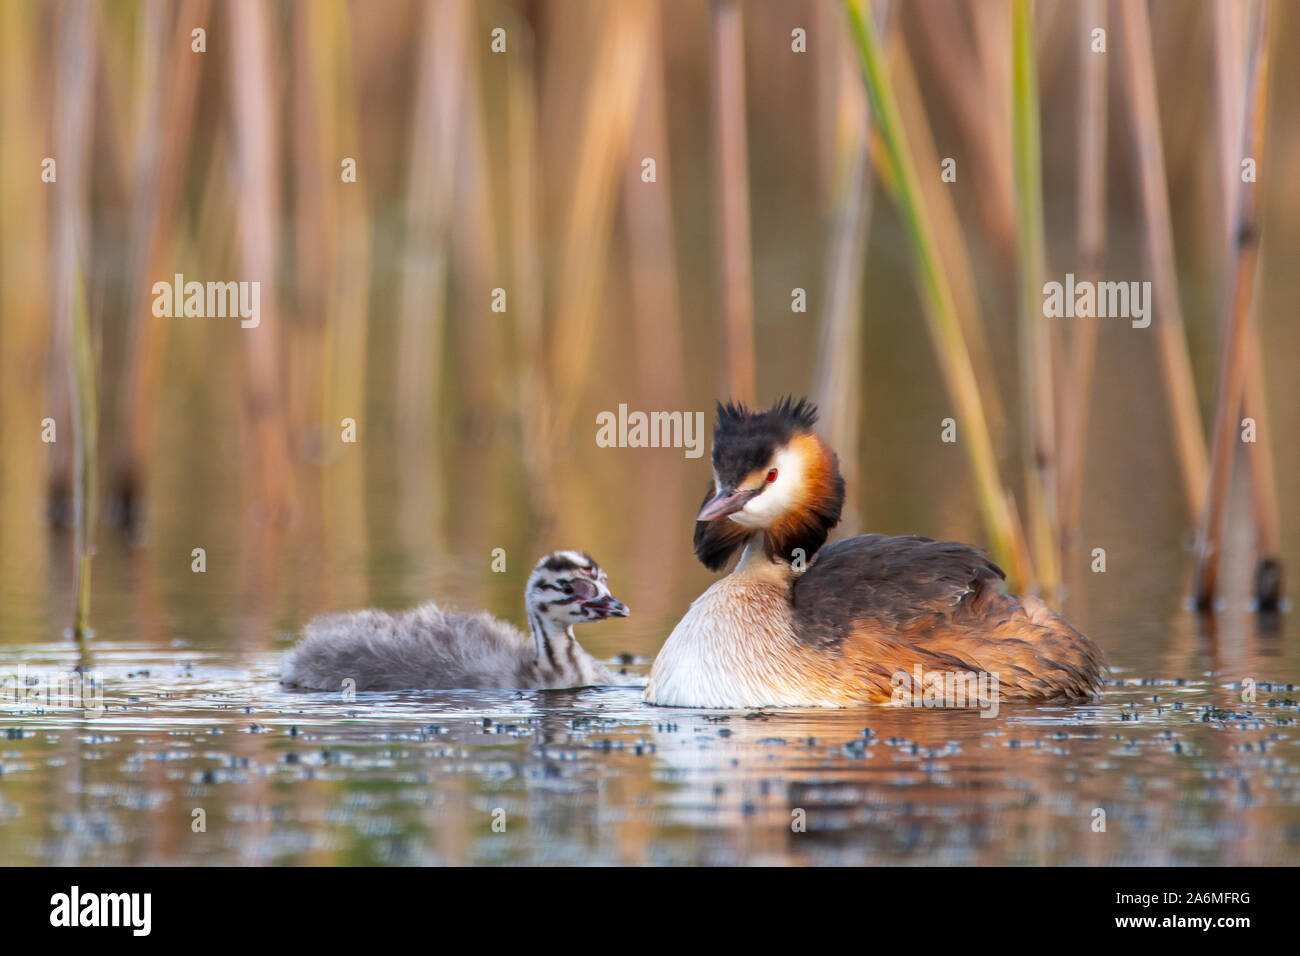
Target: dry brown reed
{"x":731,"y":169}
{"x":1076,"y":396}
{"x":1230,"y":91}
{"x":421,"y":311}
{"x":1246,"y":236}
{"x":159,"y":164}
{"x":73,"y":395}
{"x":1176,"y":366}
{"x":611,"y":99}
{"x":838,"y":373}
{"x":949,"y":234}
{"x":252,"y":91}
{"x":475,"y":256}
{"x":651,"y":239}
{"x":25,"y":315}
{"x":976,"y":85}
{"x":533,"y":390}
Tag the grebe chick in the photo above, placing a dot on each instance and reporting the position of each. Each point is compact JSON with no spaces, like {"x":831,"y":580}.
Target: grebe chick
{"x":864,"y":611}
{"x":427,"y":647}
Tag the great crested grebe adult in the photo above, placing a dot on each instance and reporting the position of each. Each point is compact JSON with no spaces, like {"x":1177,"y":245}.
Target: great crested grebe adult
{"x":864,"y":610}
{"x":427,"y":647}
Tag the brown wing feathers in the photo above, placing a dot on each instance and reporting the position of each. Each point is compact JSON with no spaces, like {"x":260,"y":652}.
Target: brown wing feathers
{"x":889,"y":582}
{"x":899,"y":602}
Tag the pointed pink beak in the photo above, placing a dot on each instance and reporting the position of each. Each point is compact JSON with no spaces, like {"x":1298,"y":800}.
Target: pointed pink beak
{"x":725,"y":502}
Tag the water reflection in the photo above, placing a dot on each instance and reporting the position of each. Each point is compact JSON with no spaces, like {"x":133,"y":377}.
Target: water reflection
{"x":594,"y":776}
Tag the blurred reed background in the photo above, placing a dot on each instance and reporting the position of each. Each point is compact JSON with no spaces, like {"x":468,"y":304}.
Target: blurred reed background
{"x":522,"y":171}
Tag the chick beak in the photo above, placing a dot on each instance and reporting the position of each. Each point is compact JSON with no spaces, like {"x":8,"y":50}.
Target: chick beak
{"x":726,"y":502}
{"x":606,"y":606}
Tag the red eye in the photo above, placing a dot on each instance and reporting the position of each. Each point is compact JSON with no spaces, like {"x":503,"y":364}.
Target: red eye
{"x":771,"y":475}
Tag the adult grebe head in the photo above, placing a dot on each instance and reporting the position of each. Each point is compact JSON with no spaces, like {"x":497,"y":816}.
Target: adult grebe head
{"x":771,"y":474}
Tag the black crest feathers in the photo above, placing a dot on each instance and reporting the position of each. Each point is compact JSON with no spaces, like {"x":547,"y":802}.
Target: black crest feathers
{"x":786,"y":416}
{"x":744,"y":440}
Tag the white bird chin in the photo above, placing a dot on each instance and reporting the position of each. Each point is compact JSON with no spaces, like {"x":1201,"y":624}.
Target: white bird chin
{"x":746,"y":520}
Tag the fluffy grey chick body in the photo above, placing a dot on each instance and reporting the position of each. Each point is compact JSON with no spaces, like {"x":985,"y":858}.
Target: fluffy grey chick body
{"x":428,"y":647}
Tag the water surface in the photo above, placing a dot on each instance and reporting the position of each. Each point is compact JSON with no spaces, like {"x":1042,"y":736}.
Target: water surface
{"x":1182,"y":774}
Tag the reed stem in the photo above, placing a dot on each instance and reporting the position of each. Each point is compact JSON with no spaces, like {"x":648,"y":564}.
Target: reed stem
{"x":1230,"y":93}
{"x":157,"y":185}
{"x":422,"y":301}
{"x":1180,"y":386}
{"x":954,"y":256}
{"x":974,"y":87}
{"x":1039,"y":438}
{"x":256,"y":152}
{"x":839,"y":350}
{"x":612,"y":96}
{"x":1235,"y":329}
{"x":940,"y":310}
{"x":651,"y":239}
{"x":732,"y":170}
{"x":1077,"y":396}
{"x":85,"y":426}
{"x":72,"y":130}
{"x":532,"y":397}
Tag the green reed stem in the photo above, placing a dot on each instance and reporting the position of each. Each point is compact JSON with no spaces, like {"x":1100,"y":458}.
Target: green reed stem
{"x":1039,"y":419}
{"x":85,"y":411}
{"x":940,"y":309}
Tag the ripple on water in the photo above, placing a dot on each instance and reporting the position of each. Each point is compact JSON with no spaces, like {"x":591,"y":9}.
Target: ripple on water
{"x":200,"y":757}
